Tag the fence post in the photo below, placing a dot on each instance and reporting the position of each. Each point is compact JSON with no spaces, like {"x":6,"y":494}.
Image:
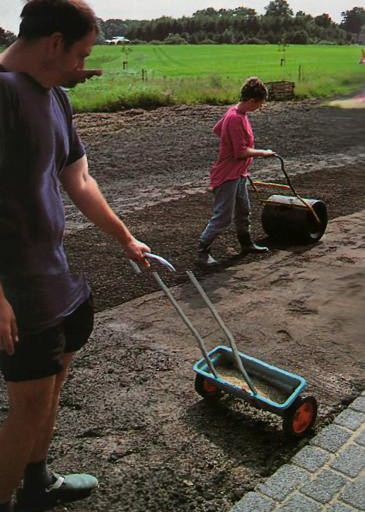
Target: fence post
{"x":300,"y":73}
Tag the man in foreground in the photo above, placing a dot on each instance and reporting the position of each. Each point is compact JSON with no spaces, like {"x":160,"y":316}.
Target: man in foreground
{"x":46,"y":312}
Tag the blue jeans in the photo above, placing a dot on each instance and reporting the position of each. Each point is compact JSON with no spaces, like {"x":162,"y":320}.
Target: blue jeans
{"x":231,"y":204}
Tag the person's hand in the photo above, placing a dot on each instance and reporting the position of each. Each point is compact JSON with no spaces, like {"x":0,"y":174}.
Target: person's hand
{"x":79,"y":76}
{"x":8,"y":327}
{"x":135,"y":250}
{"x":267,"y":153}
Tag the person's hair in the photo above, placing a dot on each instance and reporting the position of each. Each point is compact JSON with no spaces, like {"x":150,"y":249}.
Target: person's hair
{"x":74,"y":19}
{"x":254,"y":89}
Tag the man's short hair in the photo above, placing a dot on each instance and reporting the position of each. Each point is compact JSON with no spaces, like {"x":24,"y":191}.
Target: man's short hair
{"x":254,"y":89}
{"x":74,"y":19}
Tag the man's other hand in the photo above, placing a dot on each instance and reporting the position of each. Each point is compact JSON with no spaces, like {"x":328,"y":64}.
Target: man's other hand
{"x":8,"y":327}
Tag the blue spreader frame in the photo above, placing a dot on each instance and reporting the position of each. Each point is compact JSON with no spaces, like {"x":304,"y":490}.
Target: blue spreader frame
{"x":289,"y":383}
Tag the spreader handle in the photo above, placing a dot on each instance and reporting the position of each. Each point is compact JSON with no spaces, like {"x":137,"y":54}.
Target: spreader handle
{"x":154,"y":257}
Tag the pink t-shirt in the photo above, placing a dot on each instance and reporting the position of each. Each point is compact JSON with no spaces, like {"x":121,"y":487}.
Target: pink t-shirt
{"x":235,"y":132}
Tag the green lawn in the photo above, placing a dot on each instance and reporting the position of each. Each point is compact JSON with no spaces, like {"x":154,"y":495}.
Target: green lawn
{"x":231,"y":60}
{"x":212,"y":73}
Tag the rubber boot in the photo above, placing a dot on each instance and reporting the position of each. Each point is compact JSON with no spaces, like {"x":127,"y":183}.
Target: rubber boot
{"x":248,"y":246}
{"x":205,"y":259}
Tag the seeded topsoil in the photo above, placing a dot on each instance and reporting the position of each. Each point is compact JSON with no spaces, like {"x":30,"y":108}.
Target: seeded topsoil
{"x":129,"y":412}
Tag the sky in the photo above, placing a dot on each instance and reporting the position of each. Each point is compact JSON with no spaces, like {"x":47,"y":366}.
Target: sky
{"x":149,"y":9}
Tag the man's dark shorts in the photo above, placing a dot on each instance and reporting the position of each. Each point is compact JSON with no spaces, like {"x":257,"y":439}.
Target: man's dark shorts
{"x":41,"y":355}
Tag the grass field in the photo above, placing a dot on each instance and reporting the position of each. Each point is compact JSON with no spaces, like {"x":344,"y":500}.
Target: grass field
{"x":212,"y":73}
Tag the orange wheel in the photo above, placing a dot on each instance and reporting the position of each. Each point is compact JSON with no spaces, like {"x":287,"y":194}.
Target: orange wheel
{"x":300,"y":417}
{"x":206,"y":388}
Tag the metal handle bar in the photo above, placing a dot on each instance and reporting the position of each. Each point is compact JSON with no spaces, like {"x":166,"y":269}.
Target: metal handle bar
{"x":306,"y":204}
{"x":173,"y":301}
{"x":291,"y":186}
{"x":154,"y":257}
{"x":189,"y":324}
{"x":275,"y":155}
{"x":281,"y":159}
{"x":226,"y":332}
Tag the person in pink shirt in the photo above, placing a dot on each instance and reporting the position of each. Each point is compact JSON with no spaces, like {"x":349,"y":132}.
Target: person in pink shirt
{"x":228,"y":175}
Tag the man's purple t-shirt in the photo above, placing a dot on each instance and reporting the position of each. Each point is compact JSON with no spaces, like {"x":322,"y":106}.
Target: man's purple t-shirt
{"x":37,"y":141}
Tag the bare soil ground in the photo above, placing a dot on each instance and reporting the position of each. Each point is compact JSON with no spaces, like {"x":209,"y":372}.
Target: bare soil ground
{"x":129,"y":412}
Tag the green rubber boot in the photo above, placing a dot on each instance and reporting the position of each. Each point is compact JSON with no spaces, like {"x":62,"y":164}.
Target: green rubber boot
{"x":248,"y":246}
{"x":205,"y":259}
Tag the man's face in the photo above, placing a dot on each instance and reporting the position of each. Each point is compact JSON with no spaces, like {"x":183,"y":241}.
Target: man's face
{"x":72,"y":59}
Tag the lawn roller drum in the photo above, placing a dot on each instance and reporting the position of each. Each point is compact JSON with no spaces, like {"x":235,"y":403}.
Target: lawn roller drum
{"x":226,"y":370}
{"x":291,"y":218}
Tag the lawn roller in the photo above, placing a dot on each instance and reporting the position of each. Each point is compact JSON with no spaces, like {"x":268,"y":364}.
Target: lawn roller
{"x":226,"y":370}
{"x":291,"y":218}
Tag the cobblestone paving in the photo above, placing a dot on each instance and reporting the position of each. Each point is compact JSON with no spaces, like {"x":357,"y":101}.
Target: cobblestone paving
{"x":327,"y":474}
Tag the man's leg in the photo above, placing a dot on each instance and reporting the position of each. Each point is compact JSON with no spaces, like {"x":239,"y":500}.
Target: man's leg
{"x":77,"y":328}
{"x":43,"y":441}
{"x":42,"y":486}
{"x":30,"y":404}
{"x":224,"y":204}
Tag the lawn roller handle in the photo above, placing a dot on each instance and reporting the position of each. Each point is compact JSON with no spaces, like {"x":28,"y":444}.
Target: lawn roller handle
{"x":305,"y":203}
{"x":281,"y":159}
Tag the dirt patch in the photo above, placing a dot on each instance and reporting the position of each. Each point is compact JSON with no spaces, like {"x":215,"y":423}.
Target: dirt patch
{"x":129,"y":411}
{"x":172,"y":229}
{"x":142,"y":158}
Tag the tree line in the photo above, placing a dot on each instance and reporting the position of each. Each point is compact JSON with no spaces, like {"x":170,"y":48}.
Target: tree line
{"x":6,"y":37}
{"x":242,"y":25}
{"x":279,"y":24}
